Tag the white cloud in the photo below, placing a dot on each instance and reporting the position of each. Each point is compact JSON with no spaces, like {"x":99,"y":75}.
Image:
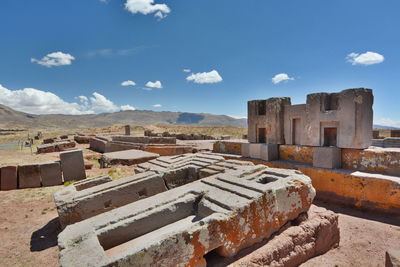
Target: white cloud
{"x":281,"y":77}
{"x":157,"y":105}
{"x":387,"y":122}
{"x":101,"y":103}
{"x":156,"y":84}
{"x":368,"y":58}
{"x":54,"y":59}
{"x":146,"y":7}
{"x":205,"y":77}
{"x":186,"y":70}
{"x":128,"y":83}
{"x":127,"y":107}
{"x":35,"y":101}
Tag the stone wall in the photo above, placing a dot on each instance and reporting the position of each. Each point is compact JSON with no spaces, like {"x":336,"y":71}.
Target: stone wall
{"x":341,"y":119}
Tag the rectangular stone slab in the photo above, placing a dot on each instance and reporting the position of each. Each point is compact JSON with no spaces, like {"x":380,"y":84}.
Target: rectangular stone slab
{"x":51,"y":173}
{"x":72,"y":165}
{"x":8,"y":176}
{"x":127,"y":157}
{"x":29,"y":176}
{"x":224,"y":212}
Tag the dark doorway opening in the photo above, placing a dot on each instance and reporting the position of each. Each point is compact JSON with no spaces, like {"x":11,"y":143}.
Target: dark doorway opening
{"x":261,"y":135}
{"x":330,"y":136}
{"x":296,"y":132}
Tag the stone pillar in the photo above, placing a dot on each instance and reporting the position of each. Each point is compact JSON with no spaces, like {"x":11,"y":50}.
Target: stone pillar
{"x":8,"y":178}
{"x":51,"y":173}
{"x":72,"y":165}
{"x":127,"y":130}
{"x":29,"y":176}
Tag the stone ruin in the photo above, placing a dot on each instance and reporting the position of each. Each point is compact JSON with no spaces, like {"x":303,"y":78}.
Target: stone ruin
{"x":70,"y":168}
{"x":328,"y":122}
{"x":164,"y":146}
{"x":176,"y":210}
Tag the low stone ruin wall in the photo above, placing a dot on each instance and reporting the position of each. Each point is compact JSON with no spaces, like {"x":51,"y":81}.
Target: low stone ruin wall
{"x":144,"y":139}
{"x":374,"y":159}
{"x":238,"y":206}
{"x":179,"y":136}
{"x":69,"y":168}
{"x":83,"y":139}
{"x":55,"y":147}
{"x":126,"y":157}
{"x":387,"y":142}
{"x":106,"y":145}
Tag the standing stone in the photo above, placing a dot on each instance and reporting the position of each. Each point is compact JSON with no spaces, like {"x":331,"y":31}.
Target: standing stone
{"x":72,"y":165}
{"x":51,"y":173}
{"x":127,"y":130}
{"x":327,"y":157}
{"x":8,"y":178}
{"x":28,"y":176}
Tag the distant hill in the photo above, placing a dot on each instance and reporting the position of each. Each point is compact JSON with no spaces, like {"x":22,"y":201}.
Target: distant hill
{"x":10,"y":118}
{"x":377,"y":126}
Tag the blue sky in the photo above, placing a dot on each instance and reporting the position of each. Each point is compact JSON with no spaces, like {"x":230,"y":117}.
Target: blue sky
{"x":247,"y":43}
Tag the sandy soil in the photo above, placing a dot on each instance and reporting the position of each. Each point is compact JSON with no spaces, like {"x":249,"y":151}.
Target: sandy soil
{"x":29,"y":228}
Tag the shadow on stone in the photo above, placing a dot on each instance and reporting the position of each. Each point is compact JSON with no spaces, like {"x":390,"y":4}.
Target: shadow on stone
{"x":46,"y":237}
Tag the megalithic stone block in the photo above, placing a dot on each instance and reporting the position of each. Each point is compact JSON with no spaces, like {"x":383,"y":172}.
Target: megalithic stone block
{"x":246,"y":150}
{"x":80,"y":201}
{"x":29,"y":176}
{"x":51,"y":173}
{"x":8,"y":178}
{"x":269,"y":152}
{"x":224,"y":212}
{"x":72,"y":165}
{"x":327,"y":157}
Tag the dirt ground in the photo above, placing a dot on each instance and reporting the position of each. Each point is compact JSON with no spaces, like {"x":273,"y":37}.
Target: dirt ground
{"x":29,"y":227}
{"x":29,"y":223}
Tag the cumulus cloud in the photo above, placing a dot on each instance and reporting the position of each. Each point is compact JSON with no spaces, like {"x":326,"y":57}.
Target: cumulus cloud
{"x":127,"y":107}
{"x":157,"y":105}
{"x":128,"y":83}
{"x":34,"y":101}
{"x":186,"y":70}
{"x":205,"y":77}
{"x":101,"y":103}
{"x":54,"y":59}
{"x":146,"y":7}
{"x":156,"y":84}
{"x":281,"y":77}
{"x":368,"y":58}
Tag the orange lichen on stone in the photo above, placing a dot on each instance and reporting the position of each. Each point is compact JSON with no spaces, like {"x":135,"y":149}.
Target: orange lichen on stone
{"x":296,"y":153}
{"x":228,"y":147}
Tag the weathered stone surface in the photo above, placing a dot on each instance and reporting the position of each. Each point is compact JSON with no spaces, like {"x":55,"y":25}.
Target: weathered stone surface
{"x":127,"y":130}
{"x":316,"y":234}
{"x":245,"y":150}
{"x":392,"y":258}
{"x":126,"y":157}
{"x":229,"y":147}
{"x":82,"y":139}
{"x":341,"y":119}
{"x":75,"y":203}
{"x":55,"y":147}
{"x":144,"y":139}
{"x":28,"y":176}
{"x":327,"y":157}
{"x":224,"y":212}
{"x":51,"y":173}
{"x":269,"y":152}
{"x":99,"y":144}
{"x":78,"y":202}
{"x":72,"y":165}
{"x":8,"y":178}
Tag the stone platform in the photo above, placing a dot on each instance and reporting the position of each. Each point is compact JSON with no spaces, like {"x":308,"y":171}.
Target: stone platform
{"x":225,"y":212}
{"x":126,"y":157}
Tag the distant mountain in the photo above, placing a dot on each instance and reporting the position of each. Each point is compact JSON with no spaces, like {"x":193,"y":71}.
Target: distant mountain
{"x":377,"y":126}
{"x":10,"y":118}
